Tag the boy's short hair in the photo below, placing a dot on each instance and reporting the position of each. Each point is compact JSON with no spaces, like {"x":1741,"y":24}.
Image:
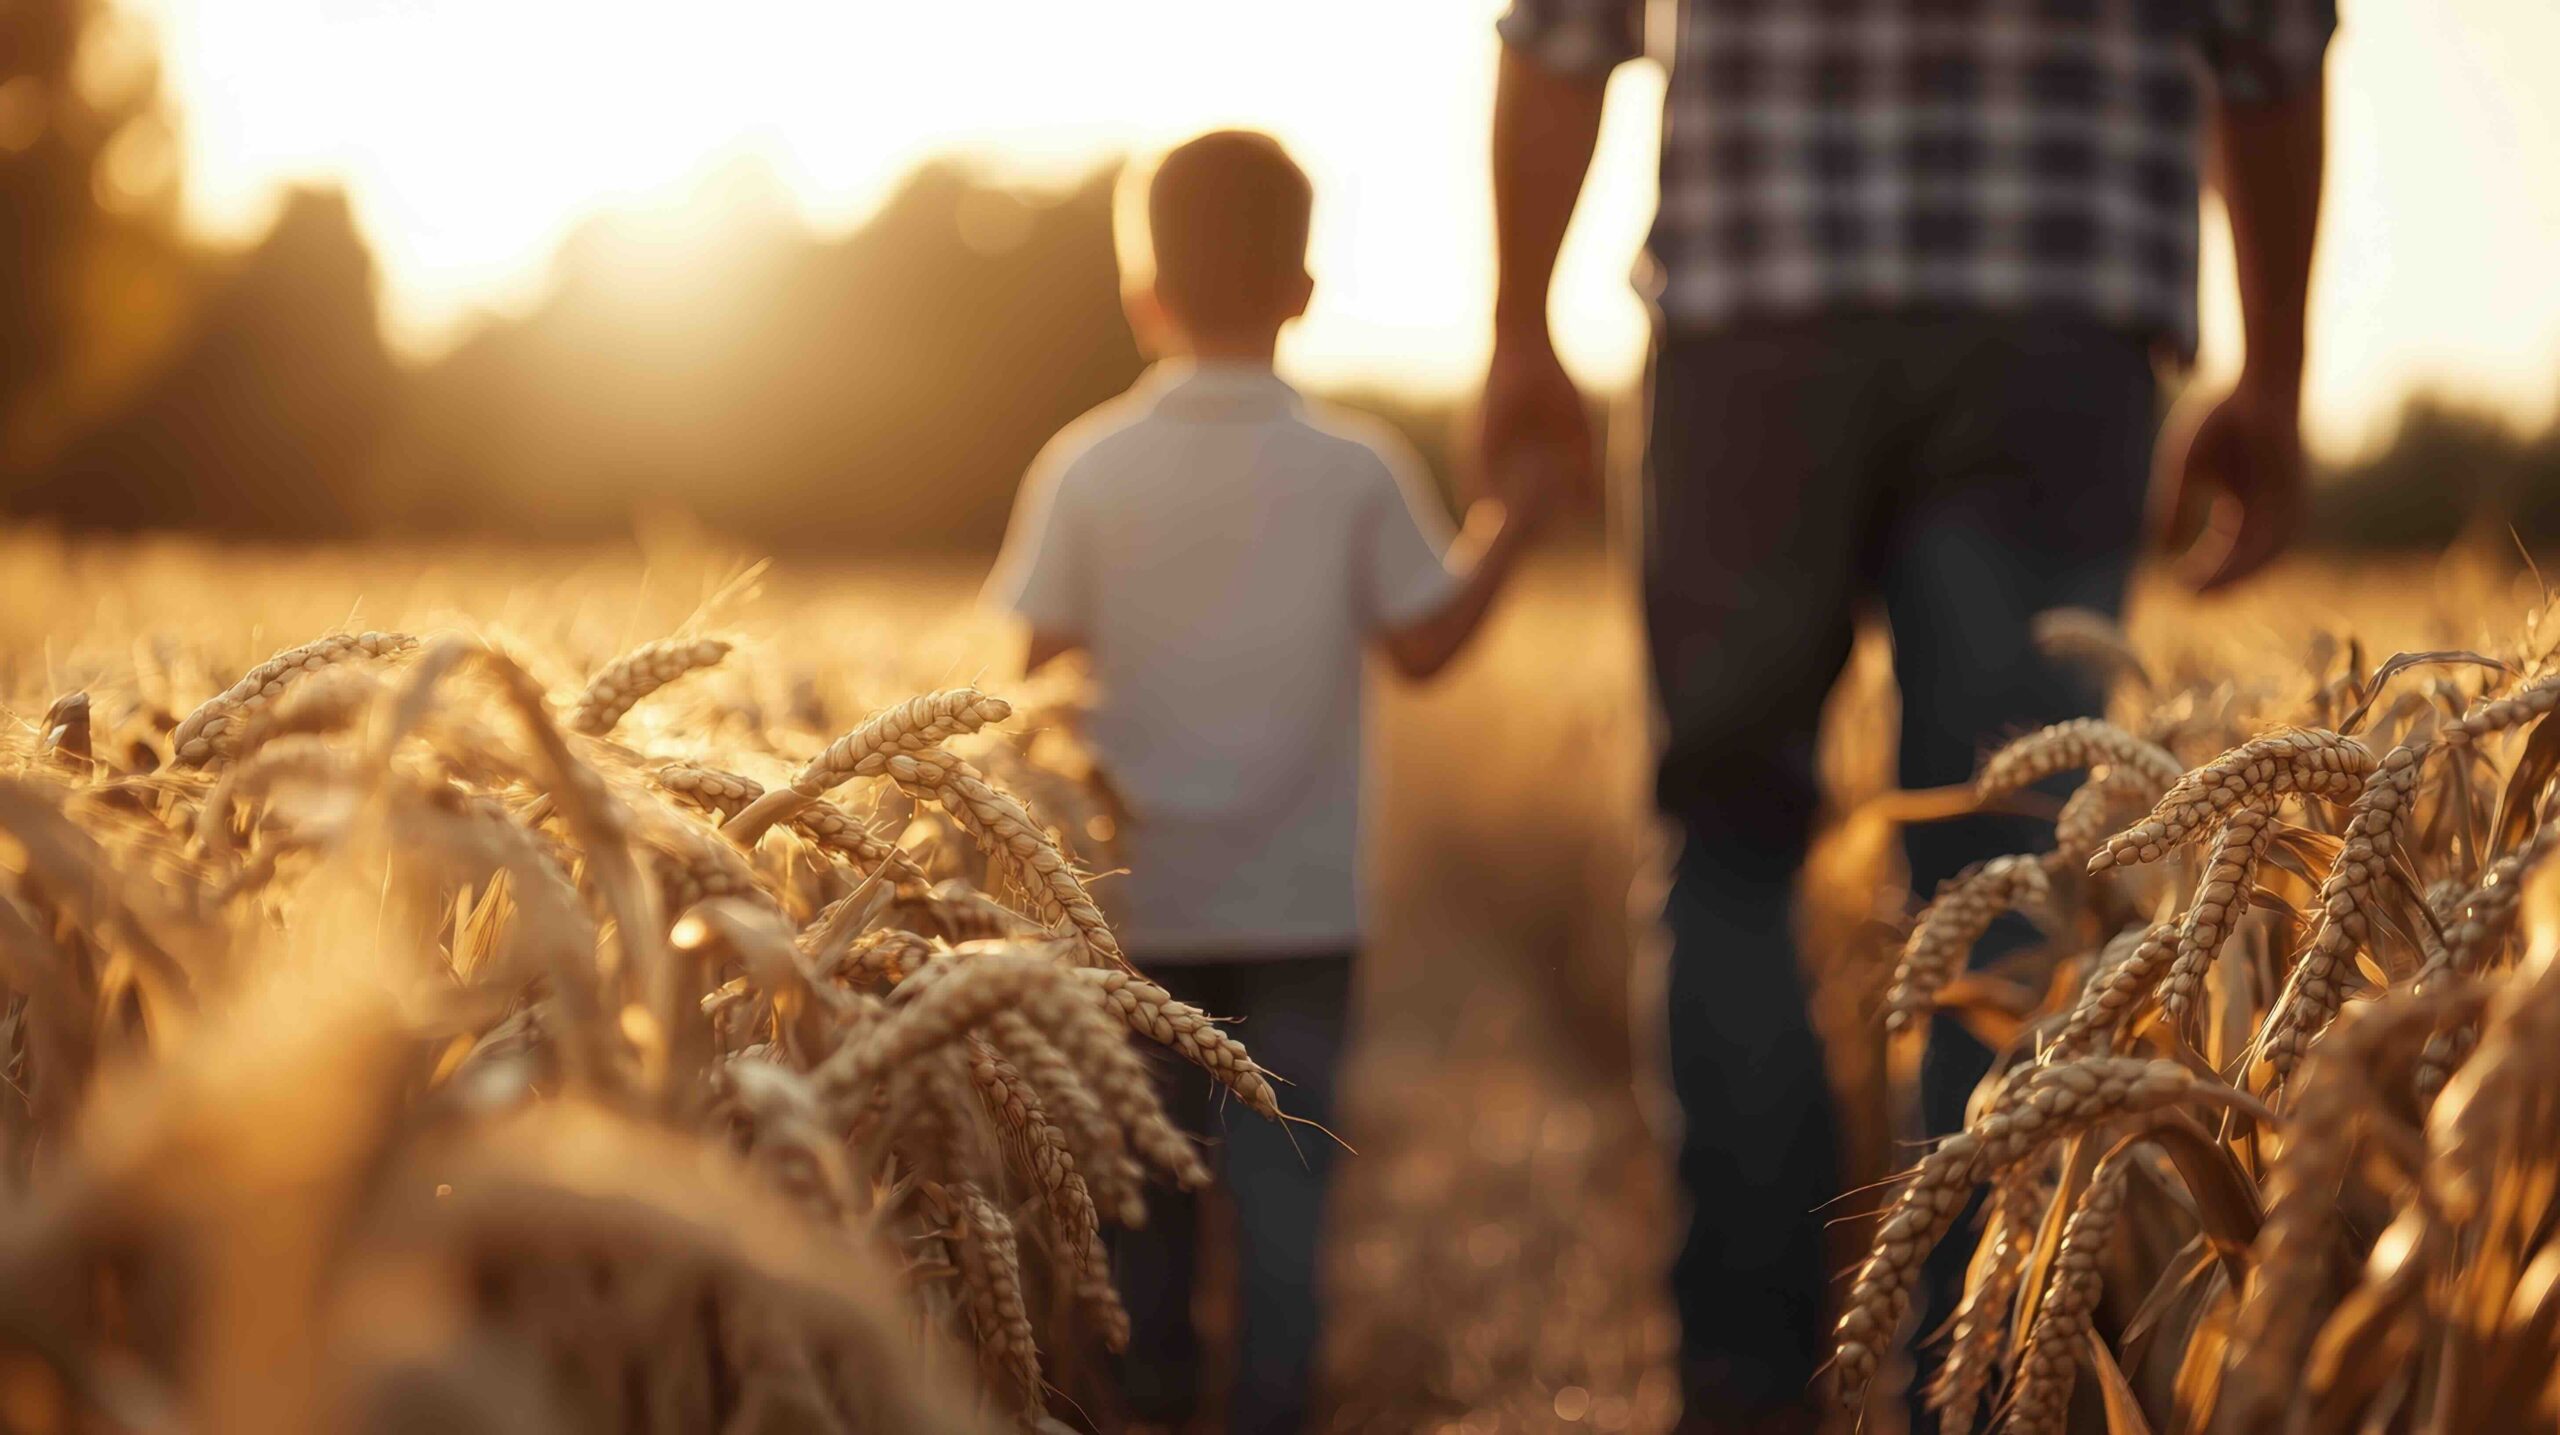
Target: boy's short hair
{"x":1219,"y":224}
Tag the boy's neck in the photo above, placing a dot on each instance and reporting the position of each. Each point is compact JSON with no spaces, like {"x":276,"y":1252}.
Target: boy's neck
{"x":1230,"y":348}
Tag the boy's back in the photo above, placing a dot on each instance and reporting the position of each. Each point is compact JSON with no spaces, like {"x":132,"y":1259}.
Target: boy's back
{"x":1224,"y":552}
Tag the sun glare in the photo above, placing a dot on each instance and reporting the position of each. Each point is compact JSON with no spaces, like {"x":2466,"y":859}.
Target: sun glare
{"x":474,"y":135}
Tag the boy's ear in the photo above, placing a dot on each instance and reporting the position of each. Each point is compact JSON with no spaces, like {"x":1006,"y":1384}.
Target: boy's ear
{"x":1148,"y":322}
{"x":1300,"y":292}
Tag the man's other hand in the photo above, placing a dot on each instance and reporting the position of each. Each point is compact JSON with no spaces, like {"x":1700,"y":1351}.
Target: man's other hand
{"x":1534,"y":417}
{"x":2239,"y":460}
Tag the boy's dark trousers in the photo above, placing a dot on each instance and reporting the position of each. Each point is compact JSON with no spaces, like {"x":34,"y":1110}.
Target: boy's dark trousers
{"x":1961,"y":473}
{"x":1293,"y":1015}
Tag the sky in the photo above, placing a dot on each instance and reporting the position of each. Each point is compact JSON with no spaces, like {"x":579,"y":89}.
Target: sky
{"x":473,"y":135}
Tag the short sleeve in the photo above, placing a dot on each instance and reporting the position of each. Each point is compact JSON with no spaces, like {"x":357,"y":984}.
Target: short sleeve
{"x":1408,"y":533}
{"x":1044,"y":573}
{"x":1575,"y":37}
{"x":2261,"y":51}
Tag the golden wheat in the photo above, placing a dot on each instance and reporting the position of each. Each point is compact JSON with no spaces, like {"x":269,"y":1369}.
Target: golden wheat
{"x":721,"y":1143}
{"x":2331,"y":1261}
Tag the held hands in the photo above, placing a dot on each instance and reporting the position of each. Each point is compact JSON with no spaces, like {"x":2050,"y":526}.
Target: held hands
{"x":1531,"y":483}
{"x":2242,"y":454}
{"x":1534,"y":436}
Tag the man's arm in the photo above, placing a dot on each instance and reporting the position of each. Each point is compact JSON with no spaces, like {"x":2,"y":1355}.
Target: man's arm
{"x":2245,"y":452}
{"x":1546,"y":121}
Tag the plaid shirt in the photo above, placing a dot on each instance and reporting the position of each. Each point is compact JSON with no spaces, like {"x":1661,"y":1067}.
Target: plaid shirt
{"x":1830,"y":155}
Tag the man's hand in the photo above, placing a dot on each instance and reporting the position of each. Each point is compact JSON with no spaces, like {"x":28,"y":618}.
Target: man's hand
{"x":2242,"y":454}
{"x":1534,"y":426}
{"x":1531,"y":482}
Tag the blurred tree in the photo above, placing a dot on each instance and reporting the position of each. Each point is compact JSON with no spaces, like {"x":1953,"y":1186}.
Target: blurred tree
{"x":264,"y":416}
{"x":880,"y":391}
{"x":2450,"y":472}
{"x":91,"y":272}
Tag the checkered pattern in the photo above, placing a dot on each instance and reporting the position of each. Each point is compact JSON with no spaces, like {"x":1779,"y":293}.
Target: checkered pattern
{"x":1829,"y":155}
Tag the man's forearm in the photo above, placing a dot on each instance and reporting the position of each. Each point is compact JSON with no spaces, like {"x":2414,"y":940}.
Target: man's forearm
{"x":2268,"y":163}
{"x":1545,"y":126}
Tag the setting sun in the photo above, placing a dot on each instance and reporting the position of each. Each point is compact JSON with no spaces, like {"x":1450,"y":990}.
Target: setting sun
{"x":473,"y":135}
{"x":881,"y":716}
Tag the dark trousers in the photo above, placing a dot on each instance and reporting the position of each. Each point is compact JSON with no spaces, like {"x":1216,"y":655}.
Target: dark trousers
{"x":1293,"y":1014}
{"x":1963,"y":473}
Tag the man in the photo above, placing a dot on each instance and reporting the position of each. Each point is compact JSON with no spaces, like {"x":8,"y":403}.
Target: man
{"x":1914,"y":259}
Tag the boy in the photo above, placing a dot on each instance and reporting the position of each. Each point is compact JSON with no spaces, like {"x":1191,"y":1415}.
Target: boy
{"x":1224,"y":552}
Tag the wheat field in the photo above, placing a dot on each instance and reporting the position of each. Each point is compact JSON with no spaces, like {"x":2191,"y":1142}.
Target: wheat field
{"x":587,"y":990}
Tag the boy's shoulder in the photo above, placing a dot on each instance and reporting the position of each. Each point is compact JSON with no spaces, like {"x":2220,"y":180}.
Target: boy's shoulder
{"x":1123,"y":432}
{"x":1116,"y":422}
{"x":1358,"y":437}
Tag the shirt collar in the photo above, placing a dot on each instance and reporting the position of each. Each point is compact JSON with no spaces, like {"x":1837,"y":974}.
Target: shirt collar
{"x":1220,"y":389}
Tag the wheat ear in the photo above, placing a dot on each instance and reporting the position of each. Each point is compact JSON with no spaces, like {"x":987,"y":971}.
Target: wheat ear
{"x":2484,"y":922}
{"x":214,"y":728}
{"x":1975,"y":1345}
{"x":608,"y":696}
{"x":1102,"y":1150}
{"x":828,"y":827}
{"x":2043,"y":1104}
{"x":1098,"y":1046}
{"x":2221,"y":899}
{"x":2050,"y":1363}
{"x":1940,"y":941}
{"x":914,"y":726}
{"x":1871,"y":1315}
{"x":1043,"y":1152}
{"x":2112,"y":995}
{"x":2094,"y":811}
{"x":2074,"y":746}
{"x":2035,"y":1107}
{"x":1005,"y":831}
{"x":1151,"y":1010}
{"x":2491,"y":716}
{"x":2259,"y":773}
{"x":2347,"y":896}
{"x":2090,"y":640}
{"x":989,"y":1263}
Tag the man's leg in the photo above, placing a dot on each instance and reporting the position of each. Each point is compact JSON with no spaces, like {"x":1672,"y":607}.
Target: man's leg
{"x":2024,"y":491}
{"x":1295,"y":1016}
{"x":1756,"y":493}
{"x":1157,"y":1268}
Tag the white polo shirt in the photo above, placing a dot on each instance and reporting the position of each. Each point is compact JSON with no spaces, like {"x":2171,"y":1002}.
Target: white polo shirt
{"x":1225,"y":551}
